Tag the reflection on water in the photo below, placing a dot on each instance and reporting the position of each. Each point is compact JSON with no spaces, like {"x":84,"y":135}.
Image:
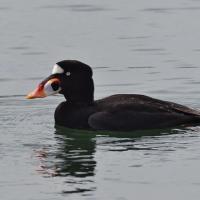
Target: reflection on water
{"x":73,"y":159}
{"x":74,"y":156}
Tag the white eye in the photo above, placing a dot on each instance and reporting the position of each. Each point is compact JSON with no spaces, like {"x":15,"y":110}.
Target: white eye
{"x":57,"y":69}
{"x":68,"y":73}
{"x":52,"y":87}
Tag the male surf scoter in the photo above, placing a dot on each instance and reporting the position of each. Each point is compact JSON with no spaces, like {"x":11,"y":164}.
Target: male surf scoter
{"x":120,"y":112}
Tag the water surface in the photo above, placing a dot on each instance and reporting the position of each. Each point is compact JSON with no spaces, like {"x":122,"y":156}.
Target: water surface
{"x":146,"y":47}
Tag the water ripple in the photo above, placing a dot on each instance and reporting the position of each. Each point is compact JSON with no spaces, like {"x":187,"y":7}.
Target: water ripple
{"x":167,"y":10}
{"x":20,"y":79}
{"x":19,"y":48}
{"x":77,"y":7}
{"x":34,"y":53}
{"x":117,"y":84}
{"x":149,"y":49}
{"x":2,"y":8}
{"x":142,"y":67}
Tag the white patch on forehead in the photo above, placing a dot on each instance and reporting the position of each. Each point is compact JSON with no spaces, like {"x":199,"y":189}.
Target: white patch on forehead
{"x":57,"y":69}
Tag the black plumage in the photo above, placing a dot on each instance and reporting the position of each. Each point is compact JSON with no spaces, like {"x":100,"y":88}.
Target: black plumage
{"x":121,"y":112}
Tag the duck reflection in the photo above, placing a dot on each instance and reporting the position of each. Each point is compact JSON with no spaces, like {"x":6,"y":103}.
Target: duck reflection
{"x":73,"y":155}
{"x":76,"y":154}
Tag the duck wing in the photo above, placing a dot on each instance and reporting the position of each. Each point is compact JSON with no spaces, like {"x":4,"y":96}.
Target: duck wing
{"x":133,"y":111}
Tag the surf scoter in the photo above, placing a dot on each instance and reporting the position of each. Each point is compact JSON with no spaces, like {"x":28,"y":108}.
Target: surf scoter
{"x":120,"y":112}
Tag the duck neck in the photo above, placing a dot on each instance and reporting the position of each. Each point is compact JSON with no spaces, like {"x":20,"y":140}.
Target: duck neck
{"x":83,"y":101}
{"x":80,"y":94}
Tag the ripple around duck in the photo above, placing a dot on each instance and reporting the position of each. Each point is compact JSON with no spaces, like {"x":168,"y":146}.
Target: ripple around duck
{"x":152,"y":141}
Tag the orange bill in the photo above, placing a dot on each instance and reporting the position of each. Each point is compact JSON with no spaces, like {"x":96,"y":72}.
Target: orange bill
{"x":37,"y":93}
{"x":46,"y":88}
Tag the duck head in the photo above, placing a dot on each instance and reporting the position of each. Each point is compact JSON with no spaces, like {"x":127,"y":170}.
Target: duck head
{"x":71,"y":78}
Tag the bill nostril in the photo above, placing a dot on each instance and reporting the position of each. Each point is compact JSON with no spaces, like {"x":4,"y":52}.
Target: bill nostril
{"x":55,"y":86}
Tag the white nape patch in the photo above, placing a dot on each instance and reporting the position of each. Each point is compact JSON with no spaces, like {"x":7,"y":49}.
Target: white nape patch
{"x":68,"y":73}
{"x":57,"y":69}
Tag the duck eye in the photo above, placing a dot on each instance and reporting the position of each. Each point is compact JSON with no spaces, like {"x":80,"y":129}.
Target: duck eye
{"x":55,"y":86}
{"x":68,"y":73}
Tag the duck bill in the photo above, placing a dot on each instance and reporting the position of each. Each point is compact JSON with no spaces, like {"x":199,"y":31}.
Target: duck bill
{"x":44,"y":89}
{"x":37,"y":93}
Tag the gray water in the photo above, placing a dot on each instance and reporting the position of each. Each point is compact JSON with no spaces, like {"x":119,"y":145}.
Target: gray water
{"x":147,"y":47}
